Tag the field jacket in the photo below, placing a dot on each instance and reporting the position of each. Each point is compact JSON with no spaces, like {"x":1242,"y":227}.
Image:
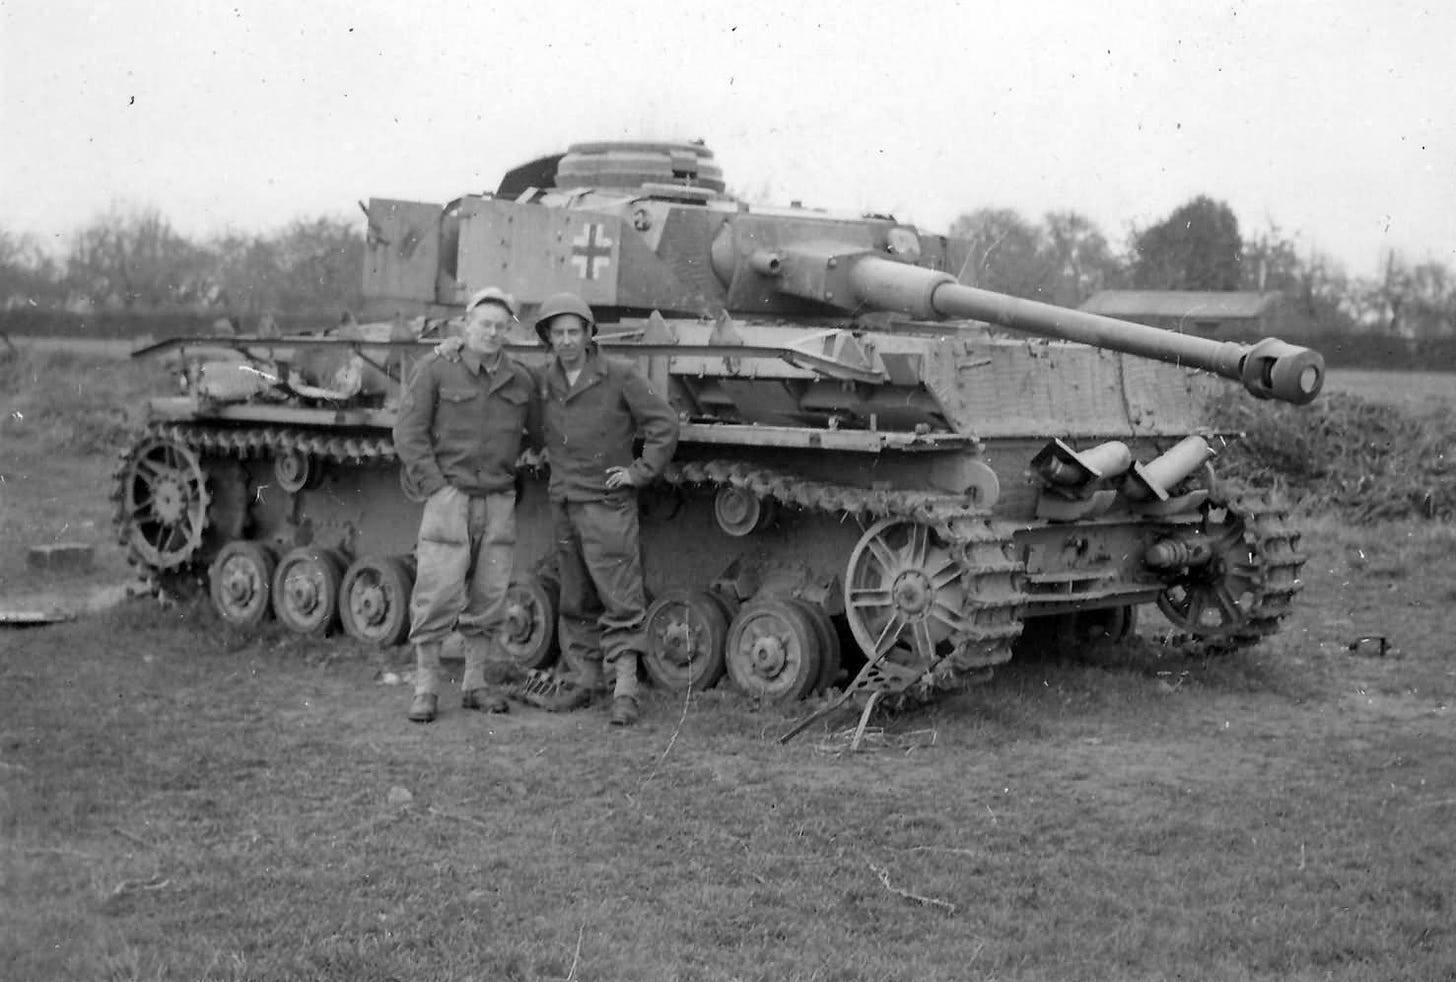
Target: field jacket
{"x":461,"y":425}
{"x":591,"y":425}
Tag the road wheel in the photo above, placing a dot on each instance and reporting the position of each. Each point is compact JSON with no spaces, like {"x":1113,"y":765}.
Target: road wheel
{"x":306,"y":590}
{"x":241,"y":582}
{"x":529,"y":634}
{"x":830,"y":660}
{"x":375,"y":597}
{"x":686,"y":631}
{"x":773,"y":651}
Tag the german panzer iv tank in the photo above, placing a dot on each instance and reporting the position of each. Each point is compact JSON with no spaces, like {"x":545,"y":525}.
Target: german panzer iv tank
{"x":868,"y":459}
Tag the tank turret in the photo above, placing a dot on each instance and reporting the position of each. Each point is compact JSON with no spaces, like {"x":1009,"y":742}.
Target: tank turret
{"x":641,"y":226}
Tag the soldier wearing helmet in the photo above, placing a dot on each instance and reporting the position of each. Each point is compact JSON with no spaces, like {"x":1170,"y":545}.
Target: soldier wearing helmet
{"x":593,"y":408}
{"x":458,"y":435}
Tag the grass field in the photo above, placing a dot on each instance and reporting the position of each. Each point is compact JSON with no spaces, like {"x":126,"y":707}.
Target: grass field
{"x":1416,"y":391}
{"x":178,"y":801}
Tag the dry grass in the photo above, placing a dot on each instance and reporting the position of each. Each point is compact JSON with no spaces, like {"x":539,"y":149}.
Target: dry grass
{"x":1416,"y":392}
{"x":184,"y":805}
{"x":64,"y":419}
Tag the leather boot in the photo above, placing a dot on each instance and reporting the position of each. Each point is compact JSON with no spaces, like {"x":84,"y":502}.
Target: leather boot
{"x":625,"y":709}
{"x":426,"y":703}
{"x":485,"y":699}
{"x":422,"y":707}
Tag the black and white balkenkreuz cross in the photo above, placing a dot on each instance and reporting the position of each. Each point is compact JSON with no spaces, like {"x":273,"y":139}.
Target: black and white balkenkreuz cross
{"x":591,"y":251}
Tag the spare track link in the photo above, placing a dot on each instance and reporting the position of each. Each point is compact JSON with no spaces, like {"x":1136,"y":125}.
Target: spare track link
{"x":983,"y":548}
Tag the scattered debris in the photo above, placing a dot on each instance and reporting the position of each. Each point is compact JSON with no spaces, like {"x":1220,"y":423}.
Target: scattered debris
{"x":864,"y":719}
{"x":884,"y":876}
{"x":132,"y":836}
{"x":33,"y":618}
{"x":457,"y":817}
{"x":851,"y":739}
{"x":157,"y":882}
{"x":1377,"y":645}
{"x":61,"y":851}
{"x":576,"y":958}
{"x":952,"y":850}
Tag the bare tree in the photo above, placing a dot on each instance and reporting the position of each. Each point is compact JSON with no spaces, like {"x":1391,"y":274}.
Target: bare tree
{"x":1079,"y":254}
{"x":1006,"y":253}
{"x":134,"y":259}
{"x":27,"y":274}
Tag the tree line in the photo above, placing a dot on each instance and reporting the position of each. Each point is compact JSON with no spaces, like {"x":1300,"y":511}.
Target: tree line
{"x":1065,"y":259}
{"x":133,"y":260}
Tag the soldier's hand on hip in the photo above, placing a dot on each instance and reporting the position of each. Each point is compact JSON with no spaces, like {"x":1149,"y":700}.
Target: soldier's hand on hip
{"x":620,"y":477}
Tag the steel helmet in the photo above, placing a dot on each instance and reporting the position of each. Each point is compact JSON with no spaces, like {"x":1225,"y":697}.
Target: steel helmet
{"x":563,"y":303}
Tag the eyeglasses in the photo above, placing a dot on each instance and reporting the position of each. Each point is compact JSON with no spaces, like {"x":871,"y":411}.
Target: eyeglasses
{"x":492,"y":325}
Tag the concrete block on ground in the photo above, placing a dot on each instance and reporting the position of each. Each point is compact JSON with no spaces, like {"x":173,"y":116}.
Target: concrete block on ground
{"x":62,"y":557}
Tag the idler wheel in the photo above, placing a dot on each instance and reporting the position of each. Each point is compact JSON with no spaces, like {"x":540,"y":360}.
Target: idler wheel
{"x":240,"y":582}
{"x":773,"y":651}
{"x":374,"y":600}
{"x":306,"y":589}
{"x":686,"y":632}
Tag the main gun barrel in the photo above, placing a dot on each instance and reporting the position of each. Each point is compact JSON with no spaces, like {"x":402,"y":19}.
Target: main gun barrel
{"x":1269,"y":369}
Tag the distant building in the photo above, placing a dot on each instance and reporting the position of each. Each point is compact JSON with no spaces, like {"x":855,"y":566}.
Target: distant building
{"x":1208,"y":313}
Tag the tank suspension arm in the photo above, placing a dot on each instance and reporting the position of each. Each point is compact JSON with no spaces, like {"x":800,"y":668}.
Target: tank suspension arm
{"x":1269,"y":369}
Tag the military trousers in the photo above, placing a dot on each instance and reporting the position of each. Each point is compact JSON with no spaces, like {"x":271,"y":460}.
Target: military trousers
{"x":464,"y":555}
{"x":603,"y":607}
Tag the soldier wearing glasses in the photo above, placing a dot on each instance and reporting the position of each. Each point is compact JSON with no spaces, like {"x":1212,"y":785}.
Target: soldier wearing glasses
{"x":458,"y":436}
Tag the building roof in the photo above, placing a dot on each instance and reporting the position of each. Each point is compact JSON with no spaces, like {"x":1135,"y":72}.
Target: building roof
{"x":1192,"y":304}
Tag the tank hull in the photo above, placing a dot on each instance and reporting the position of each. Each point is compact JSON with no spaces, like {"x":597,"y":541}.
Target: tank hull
{"x":840,"y":533}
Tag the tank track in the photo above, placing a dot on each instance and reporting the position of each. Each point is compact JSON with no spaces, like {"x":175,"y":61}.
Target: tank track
{"x":983,"y":548}
{"x":1270,"y":537}
{"x":992,"y":612}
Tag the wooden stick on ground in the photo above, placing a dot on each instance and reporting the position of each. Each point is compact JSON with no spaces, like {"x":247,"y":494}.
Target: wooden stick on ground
{"x":456,"y":816}
{"x":884,"y":876}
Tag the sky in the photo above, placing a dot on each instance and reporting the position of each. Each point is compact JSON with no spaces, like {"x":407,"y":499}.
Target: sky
{"x":1334,"y":121}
